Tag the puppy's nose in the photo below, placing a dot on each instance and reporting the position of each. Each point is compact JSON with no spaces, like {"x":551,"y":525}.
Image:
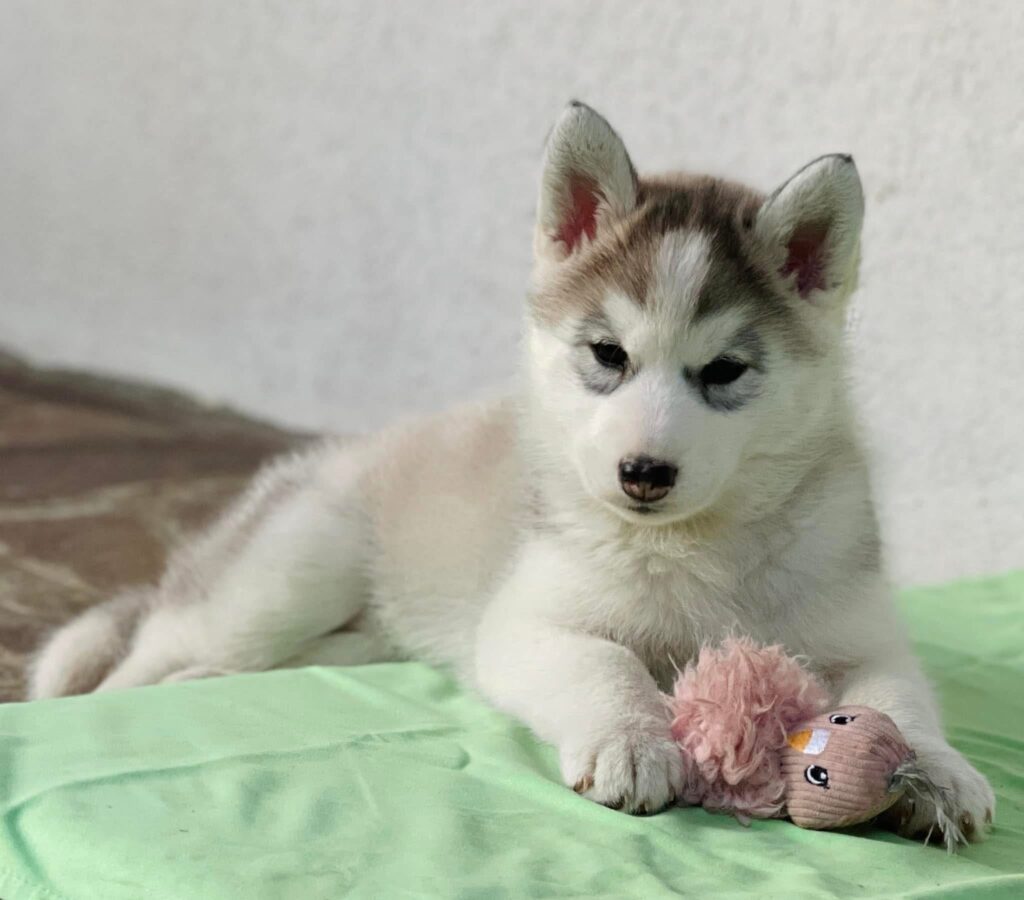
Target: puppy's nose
{"x":646,"y":479}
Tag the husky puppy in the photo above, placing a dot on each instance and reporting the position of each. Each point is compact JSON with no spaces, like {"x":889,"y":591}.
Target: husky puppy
{"x":679,"y":463}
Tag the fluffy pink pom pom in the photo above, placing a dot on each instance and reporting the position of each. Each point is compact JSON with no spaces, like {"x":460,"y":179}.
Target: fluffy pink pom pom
{"x":732,"y":710}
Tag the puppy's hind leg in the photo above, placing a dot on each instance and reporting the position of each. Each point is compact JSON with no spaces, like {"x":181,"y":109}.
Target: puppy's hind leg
{"x":298,"y":574}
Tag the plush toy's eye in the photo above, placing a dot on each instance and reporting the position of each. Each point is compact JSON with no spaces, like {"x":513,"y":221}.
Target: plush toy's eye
{"x":817,"y":775}
{"x":841,"y":719}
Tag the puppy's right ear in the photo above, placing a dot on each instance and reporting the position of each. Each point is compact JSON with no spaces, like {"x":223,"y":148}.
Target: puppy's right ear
{"x":587,"y":182}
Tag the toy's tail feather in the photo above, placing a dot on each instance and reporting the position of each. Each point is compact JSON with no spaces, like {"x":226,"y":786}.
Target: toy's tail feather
{"x":909,"y":777}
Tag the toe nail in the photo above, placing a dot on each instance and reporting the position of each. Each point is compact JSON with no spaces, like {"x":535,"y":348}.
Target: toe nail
{"x":584,"y":784}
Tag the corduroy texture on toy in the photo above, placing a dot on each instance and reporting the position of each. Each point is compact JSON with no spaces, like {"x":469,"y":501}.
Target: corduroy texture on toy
{"x":732,"y":711}
{"x":858,"y":755}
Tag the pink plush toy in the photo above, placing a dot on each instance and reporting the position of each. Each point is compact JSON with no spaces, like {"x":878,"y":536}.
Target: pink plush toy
{"x":759,"y":741}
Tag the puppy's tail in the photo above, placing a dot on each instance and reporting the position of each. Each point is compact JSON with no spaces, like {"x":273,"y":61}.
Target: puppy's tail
{"x":80,"y":654}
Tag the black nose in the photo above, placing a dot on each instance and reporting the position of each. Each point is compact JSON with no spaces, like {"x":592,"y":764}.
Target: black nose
{"x":646,"y":479}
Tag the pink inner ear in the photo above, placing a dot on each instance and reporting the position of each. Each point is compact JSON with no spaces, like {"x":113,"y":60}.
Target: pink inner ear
{"x":806,"y":257}
{"x":581,"y":216}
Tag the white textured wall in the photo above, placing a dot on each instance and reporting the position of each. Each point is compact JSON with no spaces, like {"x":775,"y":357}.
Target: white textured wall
{"x":322,"y":211}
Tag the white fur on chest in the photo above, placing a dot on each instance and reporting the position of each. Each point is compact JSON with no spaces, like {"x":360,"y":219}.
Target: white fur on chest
{"x":665,"y":592}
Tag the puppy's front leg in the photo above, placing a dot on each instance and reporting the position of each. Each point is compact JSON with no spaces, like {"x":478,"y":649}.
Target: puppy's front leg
{"x":893,"y":683}
{"x":591,"y":697}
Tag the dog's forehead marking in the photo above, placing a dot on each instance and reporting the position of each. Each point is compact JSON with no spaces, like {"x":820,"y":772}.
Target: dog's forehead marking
{"x":623,"y":252}
{"x":683,"y":252}
{"x":681,"y":266}
{"x":668,"y":332}
{"x":657,"y":325}
{"x":674,"y":318}
{"x":677,"y":269}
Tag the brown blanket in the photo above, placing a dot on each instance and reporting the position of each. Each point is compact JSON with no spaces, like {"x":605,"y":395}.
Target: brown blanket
{"x":98,"y":478}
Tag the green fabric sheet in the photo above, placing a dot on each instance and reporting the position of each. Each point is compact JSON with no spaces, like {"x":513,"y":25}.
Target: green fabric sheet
{"x":389,"y":782}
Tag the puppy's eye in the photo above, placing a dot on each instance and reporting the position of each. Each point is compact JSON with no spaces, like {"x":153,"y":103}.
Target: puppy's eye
{"x":817,"y":775}
{"x":610,"y":355}
{"x":841,"y":719}
{"x":722,"y":371}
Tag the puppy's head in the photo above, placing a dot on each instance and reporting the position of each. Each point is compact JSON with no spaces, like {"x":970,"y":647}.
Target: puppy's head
{"x":684,"y":332}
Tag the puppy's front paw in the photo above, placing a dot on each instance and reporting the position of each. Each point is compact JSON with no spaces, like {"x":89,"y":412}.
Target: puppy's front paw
{"x":967,"y":803}
{"x":635,"y":769}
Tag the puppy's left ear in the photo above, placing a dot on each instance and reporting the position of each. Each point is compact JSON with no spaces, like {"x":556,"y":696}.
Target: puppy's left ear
{"x":808,"y":231}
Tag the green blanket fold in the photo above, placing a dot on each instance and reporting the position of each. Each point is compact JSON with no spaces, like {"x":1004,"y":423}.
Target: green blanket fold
{"x":389,"y":782}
